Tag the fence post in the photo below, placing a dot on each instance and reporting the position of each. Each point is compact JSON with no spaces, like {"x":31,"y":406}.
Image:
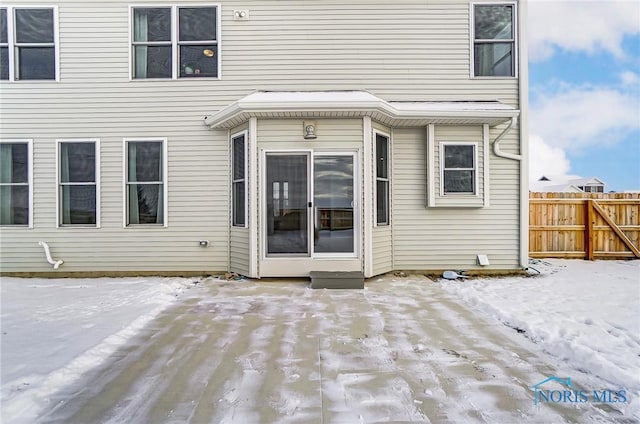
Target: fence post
{"x":588,"y":229}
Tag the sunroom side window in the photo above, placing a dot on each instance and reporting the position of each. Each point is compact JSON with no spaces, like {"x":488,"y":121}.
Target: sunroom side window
{"x":78,"y":183}
{"x":14,"y":183}
{"x":382,"y":179}
{"x":459,"y":170}
{"x":238,"y":181}
{"x":174,"y":42}
{"x":145,"y":183}
{"x":494,"y":40}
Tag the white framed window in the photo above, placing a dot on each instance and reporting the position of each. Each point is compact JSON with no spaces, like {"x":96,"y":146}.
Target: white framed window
{"x":78,"y":183}
{"x":145,"y":183}
{"x":239,"y":179}
{"x":28,"y":43}
{"x":458,"y":168}
{"x":16,"y":183}
{"x":592,"y":188}
{"x":382,"y":179}
{"x":175,"y":41}
{"x":494,"y":35}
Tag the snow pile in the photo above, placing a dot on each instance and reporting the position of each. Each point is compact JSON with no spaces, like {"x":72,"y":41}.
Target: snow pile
{"x":585,"y":313}
{"x":48,"y":344}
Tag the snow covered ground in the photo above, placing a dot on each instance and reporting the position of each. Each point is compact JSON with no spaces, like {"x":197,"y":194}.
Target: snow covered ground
{"x":587,"y":314}
{"x":583,"y":317}
{"x":54,"y":330}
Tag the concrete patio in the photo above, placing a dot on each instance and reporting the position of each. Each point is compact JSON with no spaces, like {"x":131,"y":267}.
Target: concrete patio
{"x":401,"y":350}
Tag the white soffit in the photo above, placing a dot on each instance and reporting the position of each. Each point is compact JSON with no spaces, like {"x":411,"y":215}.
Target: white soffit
{"x":356,"y":104}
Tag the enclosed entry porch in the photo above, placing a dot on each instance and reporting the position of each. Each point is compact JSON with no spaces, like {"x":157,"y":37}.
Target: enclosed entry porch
{"x":324,"y":203}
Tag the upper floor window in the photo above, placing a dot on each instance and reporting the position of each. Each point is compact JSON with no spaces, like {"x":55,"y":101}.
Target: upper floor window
{"x":28,"y":51}
{"x":494,"y":40}
{"x":78,"y":183}
{"x":239,"y":189}
{"x":592,"y":188}
{"x":459,"y":170}
{"x":146,"y":186}
{"x":175,"y":42}
{"x":15,"y":183}
{"x":382,"y":179}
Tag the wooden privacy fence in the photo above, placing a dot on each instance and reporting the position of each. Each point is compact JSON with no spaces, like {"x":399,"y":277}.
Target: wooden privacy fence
{"x":584,"y":225}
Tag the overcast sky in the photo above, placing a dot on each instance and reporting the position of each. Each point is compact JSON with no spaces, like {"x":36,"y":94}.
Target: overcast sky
{"x":584,"y":71}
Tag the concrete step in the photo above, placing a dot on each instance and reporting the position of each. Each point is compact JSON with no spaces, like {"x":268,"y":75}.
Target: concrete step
{"x":336,"y":280}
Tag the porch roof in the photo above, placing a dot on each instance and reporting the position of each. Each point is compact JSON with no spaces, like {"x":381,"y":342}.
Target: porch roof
{"x":357,"y":104}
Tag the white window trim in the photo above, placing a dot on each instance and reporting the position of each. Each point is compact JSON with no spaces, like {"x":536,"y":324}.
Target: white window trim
{"x":165,"y":182}
{"x":376,"y":179}
{"x":96,"y":142}
{"x":12,"y":43}
{"x":472,"y":38}
{"x":29,"y":143}
{"x":244,"y":134}
{"x":175,"y":74}
{"x":475,"y":169}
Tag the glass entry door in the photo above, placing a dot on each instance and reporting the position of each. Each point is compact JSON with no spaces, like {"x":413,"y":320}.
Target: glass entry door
{"x":333,"y":204}
{"x":287,"y":208}
{"x":310,"y":204}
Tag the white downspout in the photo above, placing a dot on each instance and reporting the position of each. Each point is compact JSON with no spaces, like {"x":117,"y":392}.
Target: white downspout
{"x":47,"y":252}
{"x":496,"y":143}
{"x":524,"y":190}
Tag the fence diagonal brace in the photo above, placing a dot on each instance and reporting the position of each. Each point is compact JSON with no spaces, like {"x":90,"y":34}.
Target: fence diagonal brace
{"x":616,"y":229}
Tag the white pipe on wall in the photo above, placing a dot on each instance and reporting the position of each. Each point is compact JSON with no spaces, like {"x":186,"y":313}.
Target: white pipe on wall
{"x":496,"y":143}
{"x":47,"y":252}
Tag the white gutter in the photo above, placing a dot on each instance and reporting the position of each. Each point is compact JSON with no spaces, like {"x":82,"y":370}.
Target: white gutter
{"x":358,"y":103}
{"x":47,"y":252}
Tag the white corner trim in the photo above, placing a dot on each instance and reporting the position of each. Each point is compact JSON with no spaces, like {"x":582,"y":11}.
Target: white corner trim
{"x":486,"y":170}
{"x":431,"y":166}
{"x":253,"y":203}
{"x":30,"y":177}
{"x":367,"y":210}
{"x":524,"y":135}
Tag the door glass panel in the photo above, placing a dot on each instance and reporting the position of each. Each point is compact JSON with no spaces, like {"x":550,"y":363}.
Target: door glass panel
{"x":287,"y":216}
{"x":333,"y":204}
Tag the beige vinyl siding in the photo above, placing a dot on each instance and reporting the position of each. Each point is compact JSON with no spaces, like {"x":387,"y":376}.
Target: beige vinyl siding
{"x":450,"y":238}
{"x":382,"y":250}
{"x":197,"y":199}
{"x":239,"y":251}
{"x":288,"y":133}
{"x":404,"y":50}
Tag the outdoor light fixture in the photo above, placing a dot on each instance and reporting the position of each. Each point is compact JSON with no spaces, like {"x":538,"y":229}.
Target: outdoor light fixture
{"x":310,"y":131}
{"x":239,"y":15}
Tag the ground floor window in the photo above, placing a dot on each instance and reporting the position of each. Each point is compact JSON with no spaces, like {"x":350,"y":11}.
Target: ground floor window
{"x":459,"y":169}
{"x":78,"y":182}
{"x":15,"y":181}
{"x":145,"y":183}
